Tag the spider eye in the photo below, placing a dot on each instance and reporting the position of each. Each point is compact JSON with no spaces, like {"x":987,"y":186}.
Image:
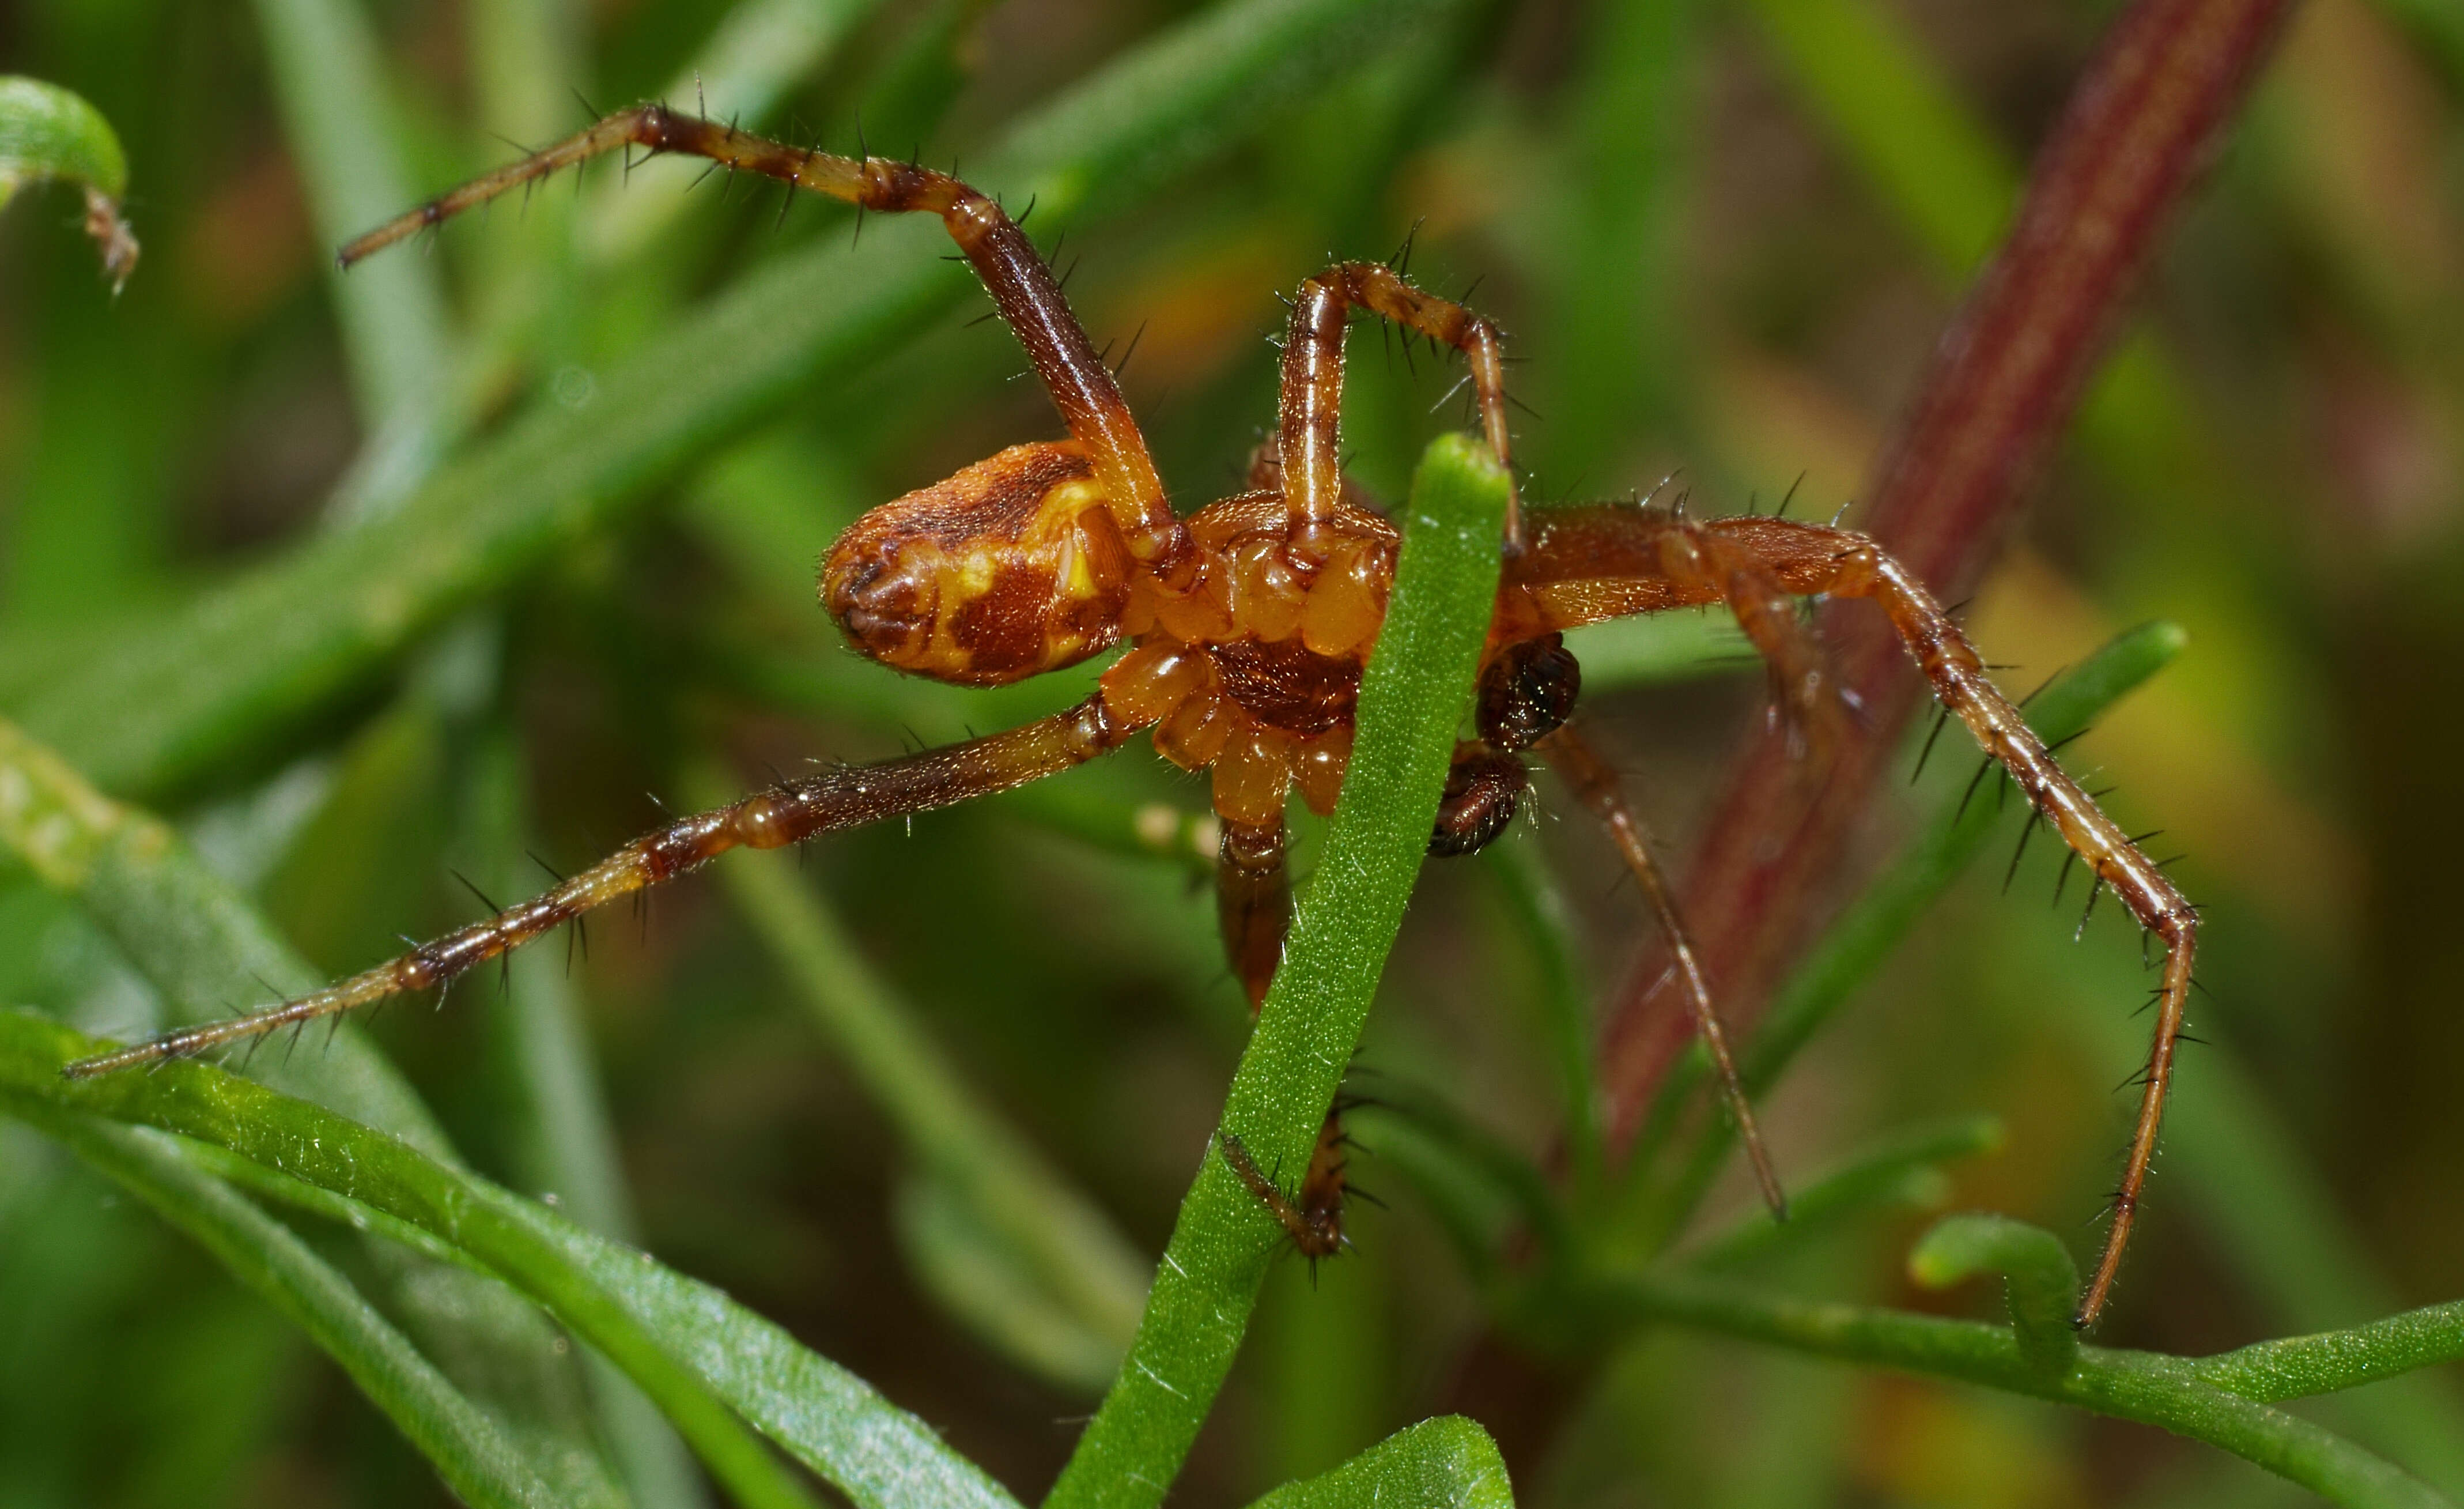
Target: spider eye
{"x":1527,"y":691}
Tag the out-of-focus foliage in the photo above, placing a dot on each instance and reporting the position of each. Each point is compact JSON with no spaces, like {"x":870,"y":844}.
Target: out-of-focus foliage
{"x":1723,"y":239}
{"x":48,"y":133}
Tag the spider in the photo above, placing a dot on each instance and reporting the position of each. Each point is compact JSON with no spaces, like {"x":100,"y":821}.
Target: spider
{"x":1248,"y":624}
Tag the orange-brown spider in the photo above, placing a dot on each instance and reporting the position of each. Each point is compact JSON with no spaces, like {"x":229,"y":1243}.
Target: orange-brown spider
{"x":1249,"y":622}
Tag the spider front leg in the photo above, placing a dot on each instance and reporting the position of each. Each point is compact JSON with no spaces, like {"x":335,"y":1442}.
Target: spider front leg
{"x":1022,"y":285}
{"x":1604,"y":561}
{"x":791,"y":811}
{"x":1308,"y":440}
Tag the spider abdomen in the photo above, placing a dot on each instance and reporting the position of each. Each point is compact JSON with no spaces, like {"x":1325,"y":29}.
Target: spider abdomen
{"x":1011,"y":567}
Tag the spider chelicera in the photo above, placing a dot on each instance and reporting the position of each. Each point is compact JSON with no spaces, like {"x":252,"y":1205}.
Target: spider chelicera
{"x":1249,"y":622}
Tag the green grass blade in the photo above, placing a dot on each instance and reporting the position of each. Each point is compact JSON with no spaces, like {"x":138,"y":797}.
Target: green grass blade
{"x":1445,"y":1463}
{"x":694,"y":1352}
{"x":233,"y":670}
{"x":2301,"y":1367}
{"x":331,"y":87}
{"x":1903,"y":1170}
{"x":1541,"y":916}
{"x":759,"y":51}
{"x":469,"y":1451}
{"x":1891,"y":111}
{"x":1411,"y":698}
{"x":1882,"y":917}
{"x":1059,"y":1255}
{"x":48,"y":132}
{"x":204,"y":948}
{"x":527,"y":57}
{"x":2142,"y":1386}
{"x":197,"y":940}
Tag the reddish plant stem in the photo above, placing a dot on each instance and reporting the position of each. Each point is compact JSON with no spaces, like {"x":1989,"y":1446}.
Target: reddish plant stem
{"x":2140,"y":127}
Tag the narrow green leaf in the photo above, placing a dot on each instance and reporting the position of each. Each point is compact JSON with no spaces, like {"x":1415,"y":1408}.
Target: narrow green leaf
{"x":2142,"y":1387}
{"x":195,"y":939}
{"x":1886,"y":104}
{"x":472,"y":1455}
{"x":2300,"y":1367}
{"x":1903,"y":1169}
{"x":48,"y":132}
{"x":331,"y":86}
{"x":760,"y":49}
{"x":1855,"y":944}
{"x":1445,"y":1463}
{"x":694,"y":1351}
{"x":1411,"y":698}
{"x":201,"y":946}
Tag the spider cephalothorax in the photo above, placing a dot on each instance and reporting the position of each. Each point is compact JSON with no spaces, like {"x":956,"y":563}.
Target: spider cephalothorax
{"x":1249,"y":623}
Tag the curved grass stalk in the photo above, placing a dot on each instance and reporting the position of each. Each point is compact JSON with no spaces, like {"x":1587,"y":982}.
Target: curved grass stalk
{"x":2201,"y":1399}
{"x":2040,"y":1279}
{"x":48,"y":132}
{"x":1411,"y":698}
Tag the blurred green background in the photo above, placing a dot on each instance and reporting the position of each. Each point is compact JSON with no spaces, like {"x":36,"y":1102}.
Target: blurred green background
{"x":1724,"y":238}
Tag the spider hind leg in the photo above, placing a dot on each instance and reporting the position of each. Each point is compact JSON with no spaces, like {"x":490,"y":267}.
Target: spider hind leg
{"x":827,"y":801}
{"x":1586,"y":563}
{"x":1312,"y":1215}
